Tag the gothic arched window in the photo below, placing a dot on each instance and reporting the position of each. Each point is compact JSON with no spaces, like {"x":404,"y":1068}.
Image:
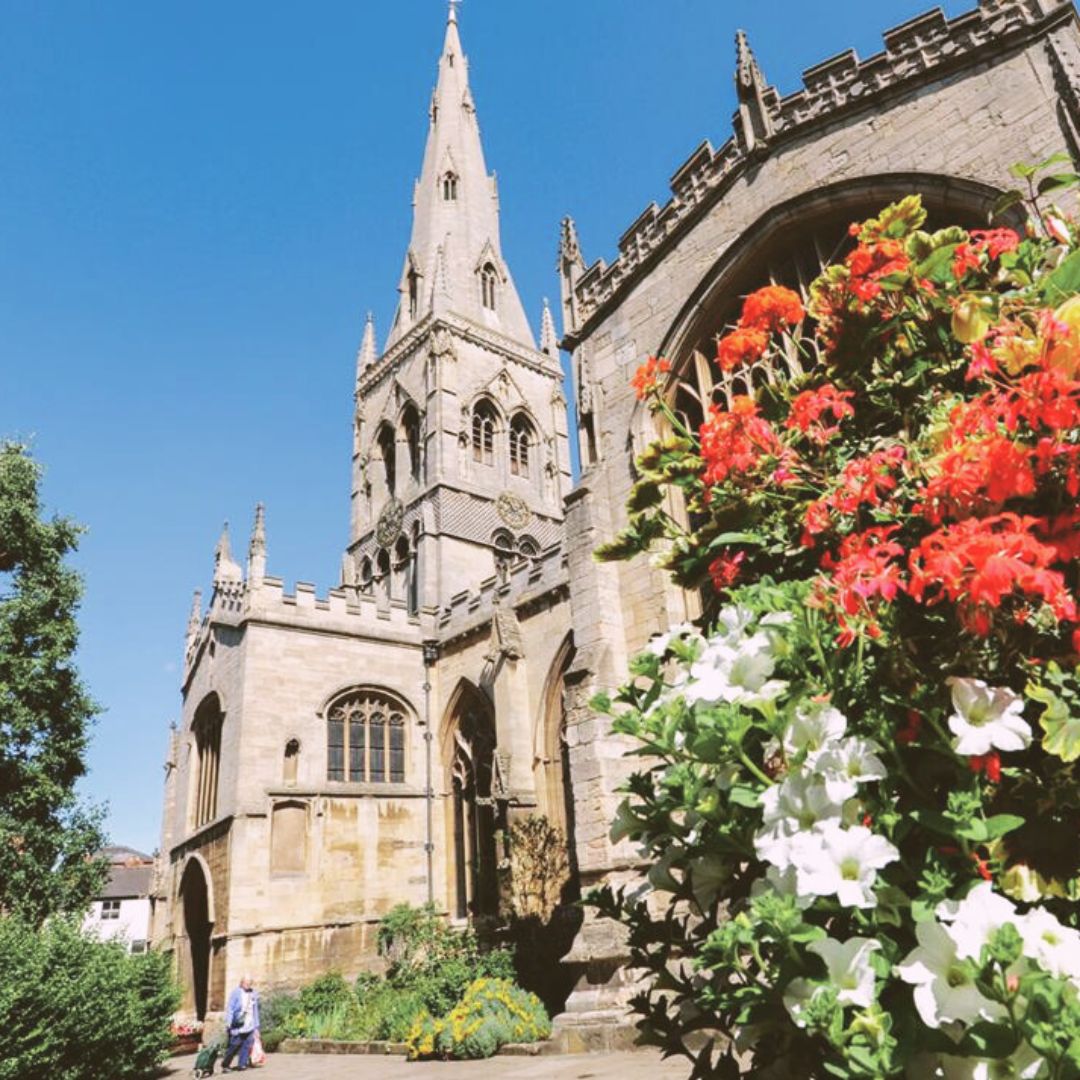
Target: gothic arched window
{"x":387,"y":451}
{"x":414,"y":293}
{"x":410,"y":423}
{"x":489,"y":280}
{"x":412,"y":596}
{"x":365,"y":739}
{"x":207,"y":731}
{"x":449,"y":187}
{"x":521,"y":439}
{"x":528,"y":548}
{"x":483,"y":433}
{"x":367,"y":576}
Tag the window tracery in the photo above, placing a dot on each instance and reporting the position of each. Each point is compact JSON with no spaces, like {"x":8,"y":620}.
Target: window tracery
{"x":365,"y":739}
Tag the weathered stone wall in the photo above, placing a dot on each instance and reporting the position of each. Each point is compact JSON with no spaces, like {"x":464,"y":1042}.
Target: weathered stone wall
{"x":956,"y":104}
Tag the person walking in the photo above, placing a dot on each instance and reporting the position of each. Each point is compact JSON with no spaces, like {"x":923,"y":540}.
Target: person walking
{"x":242,"y":1024}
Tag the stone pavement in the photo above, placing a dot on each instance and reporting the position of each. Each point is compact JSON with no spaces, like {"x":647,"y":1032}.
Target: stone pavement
{"x":643,"y":1065}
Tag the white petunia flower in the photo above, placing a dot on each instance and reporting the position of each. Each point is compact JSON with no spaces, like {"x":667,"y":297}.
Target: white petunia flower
{"x":783,"y":883}
{"x":975,"y":919}
{"x":945,"y":990}
{"x":731,"y":622}
{"x":986,"y":718}
{"x":815,"y":726}
{"x":660,"y":644}
{"x":738,"y":674}
{"x":834,"y":860}
{"x":1023,"y":1064}
{"x":848,"y":971}
{"x":849,"y":763}
{"x":1055,"y":948}
{"x":798,"y":804}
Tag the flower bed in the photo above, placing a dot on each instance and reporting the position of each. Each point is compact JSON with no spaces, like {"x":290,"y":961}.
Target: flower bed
{"x":859,"y":795}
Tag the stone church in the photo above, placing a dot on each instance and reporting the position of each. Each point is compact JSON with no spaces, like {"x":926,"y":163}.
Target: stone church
{"x":338,"y":755}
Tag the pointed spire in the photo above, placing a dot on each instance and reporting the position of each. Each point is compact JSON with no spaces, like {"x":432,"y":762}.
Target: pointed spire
{"x":549,"y":341}
{"x":367,"y":354}
{"x":225,"y":569}
{"x":455,"y":234}
{"x":753,"y":122}
{"x":571,"y":267}
{"x":195,"y":618}
{"x":256,"y":566}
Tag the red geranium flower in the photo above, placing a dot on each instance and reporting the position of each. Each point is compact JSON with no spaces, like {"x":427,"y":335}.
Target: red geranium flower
{"x":647,"y":377}
{"x":772,"y":308}
{"x":741,"y":346}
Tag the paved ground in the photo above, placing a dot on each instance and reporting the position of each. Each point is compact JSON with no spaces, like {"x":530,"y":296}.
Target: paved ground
{"x":636,"y":1066}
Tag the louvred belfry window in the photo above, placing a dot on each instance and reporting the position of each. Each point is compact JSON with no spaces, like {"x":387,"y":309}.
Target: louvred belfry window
{"x":483,"y":433}
{"x":365,"y":739}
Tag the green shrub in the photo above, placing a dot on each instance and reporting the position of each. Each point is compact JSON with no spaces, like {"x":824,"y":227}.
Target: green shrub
{"x":74,"y":1008}
{"x":493,"y":1012}
{"x":327,"y":992}
{"x":438,"y":962}
{"x":275,"y":1012}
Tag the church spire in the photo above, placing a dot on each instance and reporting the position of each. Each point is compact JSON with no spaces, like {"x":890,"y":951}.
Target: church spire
{"x":256,"y":566}
{"x":549,"y":340}
{"x":225,"y":569}
{"x":367,"y":353}
{"x":454,"y":262}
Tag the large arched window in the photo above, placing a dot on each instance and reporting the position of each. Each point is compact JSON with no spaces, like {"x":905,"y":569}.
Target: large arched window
{"x":207,"y":731}
{"x":521,"y":443}
{"x":410,"y":426}
{"x":365,"y":738}
{"x":387,"y":452}
{"x":489,"y":280}
{"x":483,"y":433}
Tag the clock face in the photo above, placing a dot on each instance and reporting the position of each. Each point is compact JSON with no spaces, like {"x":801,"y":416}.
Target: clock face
{"x":388,"y":527}
{"x":513,"y":510}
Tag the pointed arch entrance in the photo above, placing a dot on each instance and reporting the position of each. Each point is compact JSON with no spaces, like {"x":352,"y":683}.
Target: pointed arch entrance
{"x":197,"y":906}
{"x":475,"y":816}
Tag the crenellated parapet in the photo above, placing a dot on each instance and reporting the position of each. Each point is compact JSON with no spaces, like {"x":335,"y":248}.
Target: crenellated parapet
{"x":916,"y":52}
{"x":525,"y":583}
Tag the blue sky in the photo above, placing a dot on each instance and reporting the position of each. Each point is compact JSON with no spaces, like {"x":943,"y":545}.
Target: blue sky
{"x":200,"y":201}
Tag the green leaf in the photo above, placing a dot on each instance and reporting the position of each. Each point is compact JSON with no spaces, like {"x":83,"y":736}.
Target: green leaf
{"x":938,"y":267}
{"x":1001,"y":824}
{"x":1057,"y":182}
{"x":1064,"y":281}
{"x":1005,"y":202}
{"x":744,"y":796}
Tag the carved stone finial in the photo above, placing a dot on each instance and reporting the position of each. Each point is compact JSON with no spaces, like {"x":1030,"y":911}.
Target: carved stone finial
{"x":195,"y":618}
{"x":225,"y":569}
{"x":368,"y":352}
{"x":257,"y":546}
{"x":753,"y":122}
{"x":549,"y":341}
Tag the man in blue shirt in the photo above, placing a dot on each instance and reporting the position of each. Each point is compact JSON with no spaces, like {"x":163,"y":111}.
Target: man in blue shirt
{"x":242,"y":1023}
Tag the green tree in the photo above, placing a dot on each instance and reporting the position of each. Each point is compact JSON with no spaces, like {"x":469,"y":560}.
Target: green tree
{"x":47,"y":836}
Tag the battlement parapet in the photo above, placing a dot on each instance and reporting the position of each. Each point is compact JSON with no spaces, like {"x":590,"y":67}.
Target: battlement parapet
{"x":341,"y":611}
{"x":916,"y":51}
{"x":524,"y":582}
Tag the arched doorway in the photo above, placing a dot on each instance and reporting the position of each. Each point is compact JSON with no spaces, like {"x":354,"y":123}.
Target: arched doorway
{"x":469,"y":750}
{"x":198,"y":924}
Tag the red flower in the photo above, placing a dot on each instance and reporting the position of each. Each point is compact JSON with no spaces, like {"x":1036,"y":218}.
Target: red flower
{"x":772,"y":308}
{"x":869,"y":263}
{"x":995,"y":242}
{"x":976,"y":475}
{"x":741,"y":346}
{"x":735,"y":441}
{"x":979,"y":563}
{"x":987,"y":763}
{"x":810,"y":406}
{"x":724,"y":569}
{"x":912,"y":729}
{"x":866,"y":573}
{"x":966,"y":257}
{"x":647,"y":377}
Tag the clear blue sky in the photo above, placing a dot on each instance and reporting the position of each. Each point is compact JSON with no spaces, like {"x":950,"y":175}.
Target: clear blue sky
{"x":200,"y":201}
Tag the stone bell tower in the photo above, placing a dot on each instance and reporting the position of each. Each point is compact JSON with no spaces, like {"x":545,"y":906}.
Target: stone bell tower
{"x":460,"y":455}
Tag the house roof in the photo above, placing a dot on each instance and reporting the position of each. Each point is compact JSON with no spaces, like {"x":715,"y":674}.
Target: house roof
{"x":120,"y":854}
{"x":127,"y":881}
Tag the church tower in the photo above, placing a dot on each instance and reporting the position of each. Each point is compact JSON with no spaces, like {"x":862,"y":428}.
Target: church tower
{"x":460,"y":456}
